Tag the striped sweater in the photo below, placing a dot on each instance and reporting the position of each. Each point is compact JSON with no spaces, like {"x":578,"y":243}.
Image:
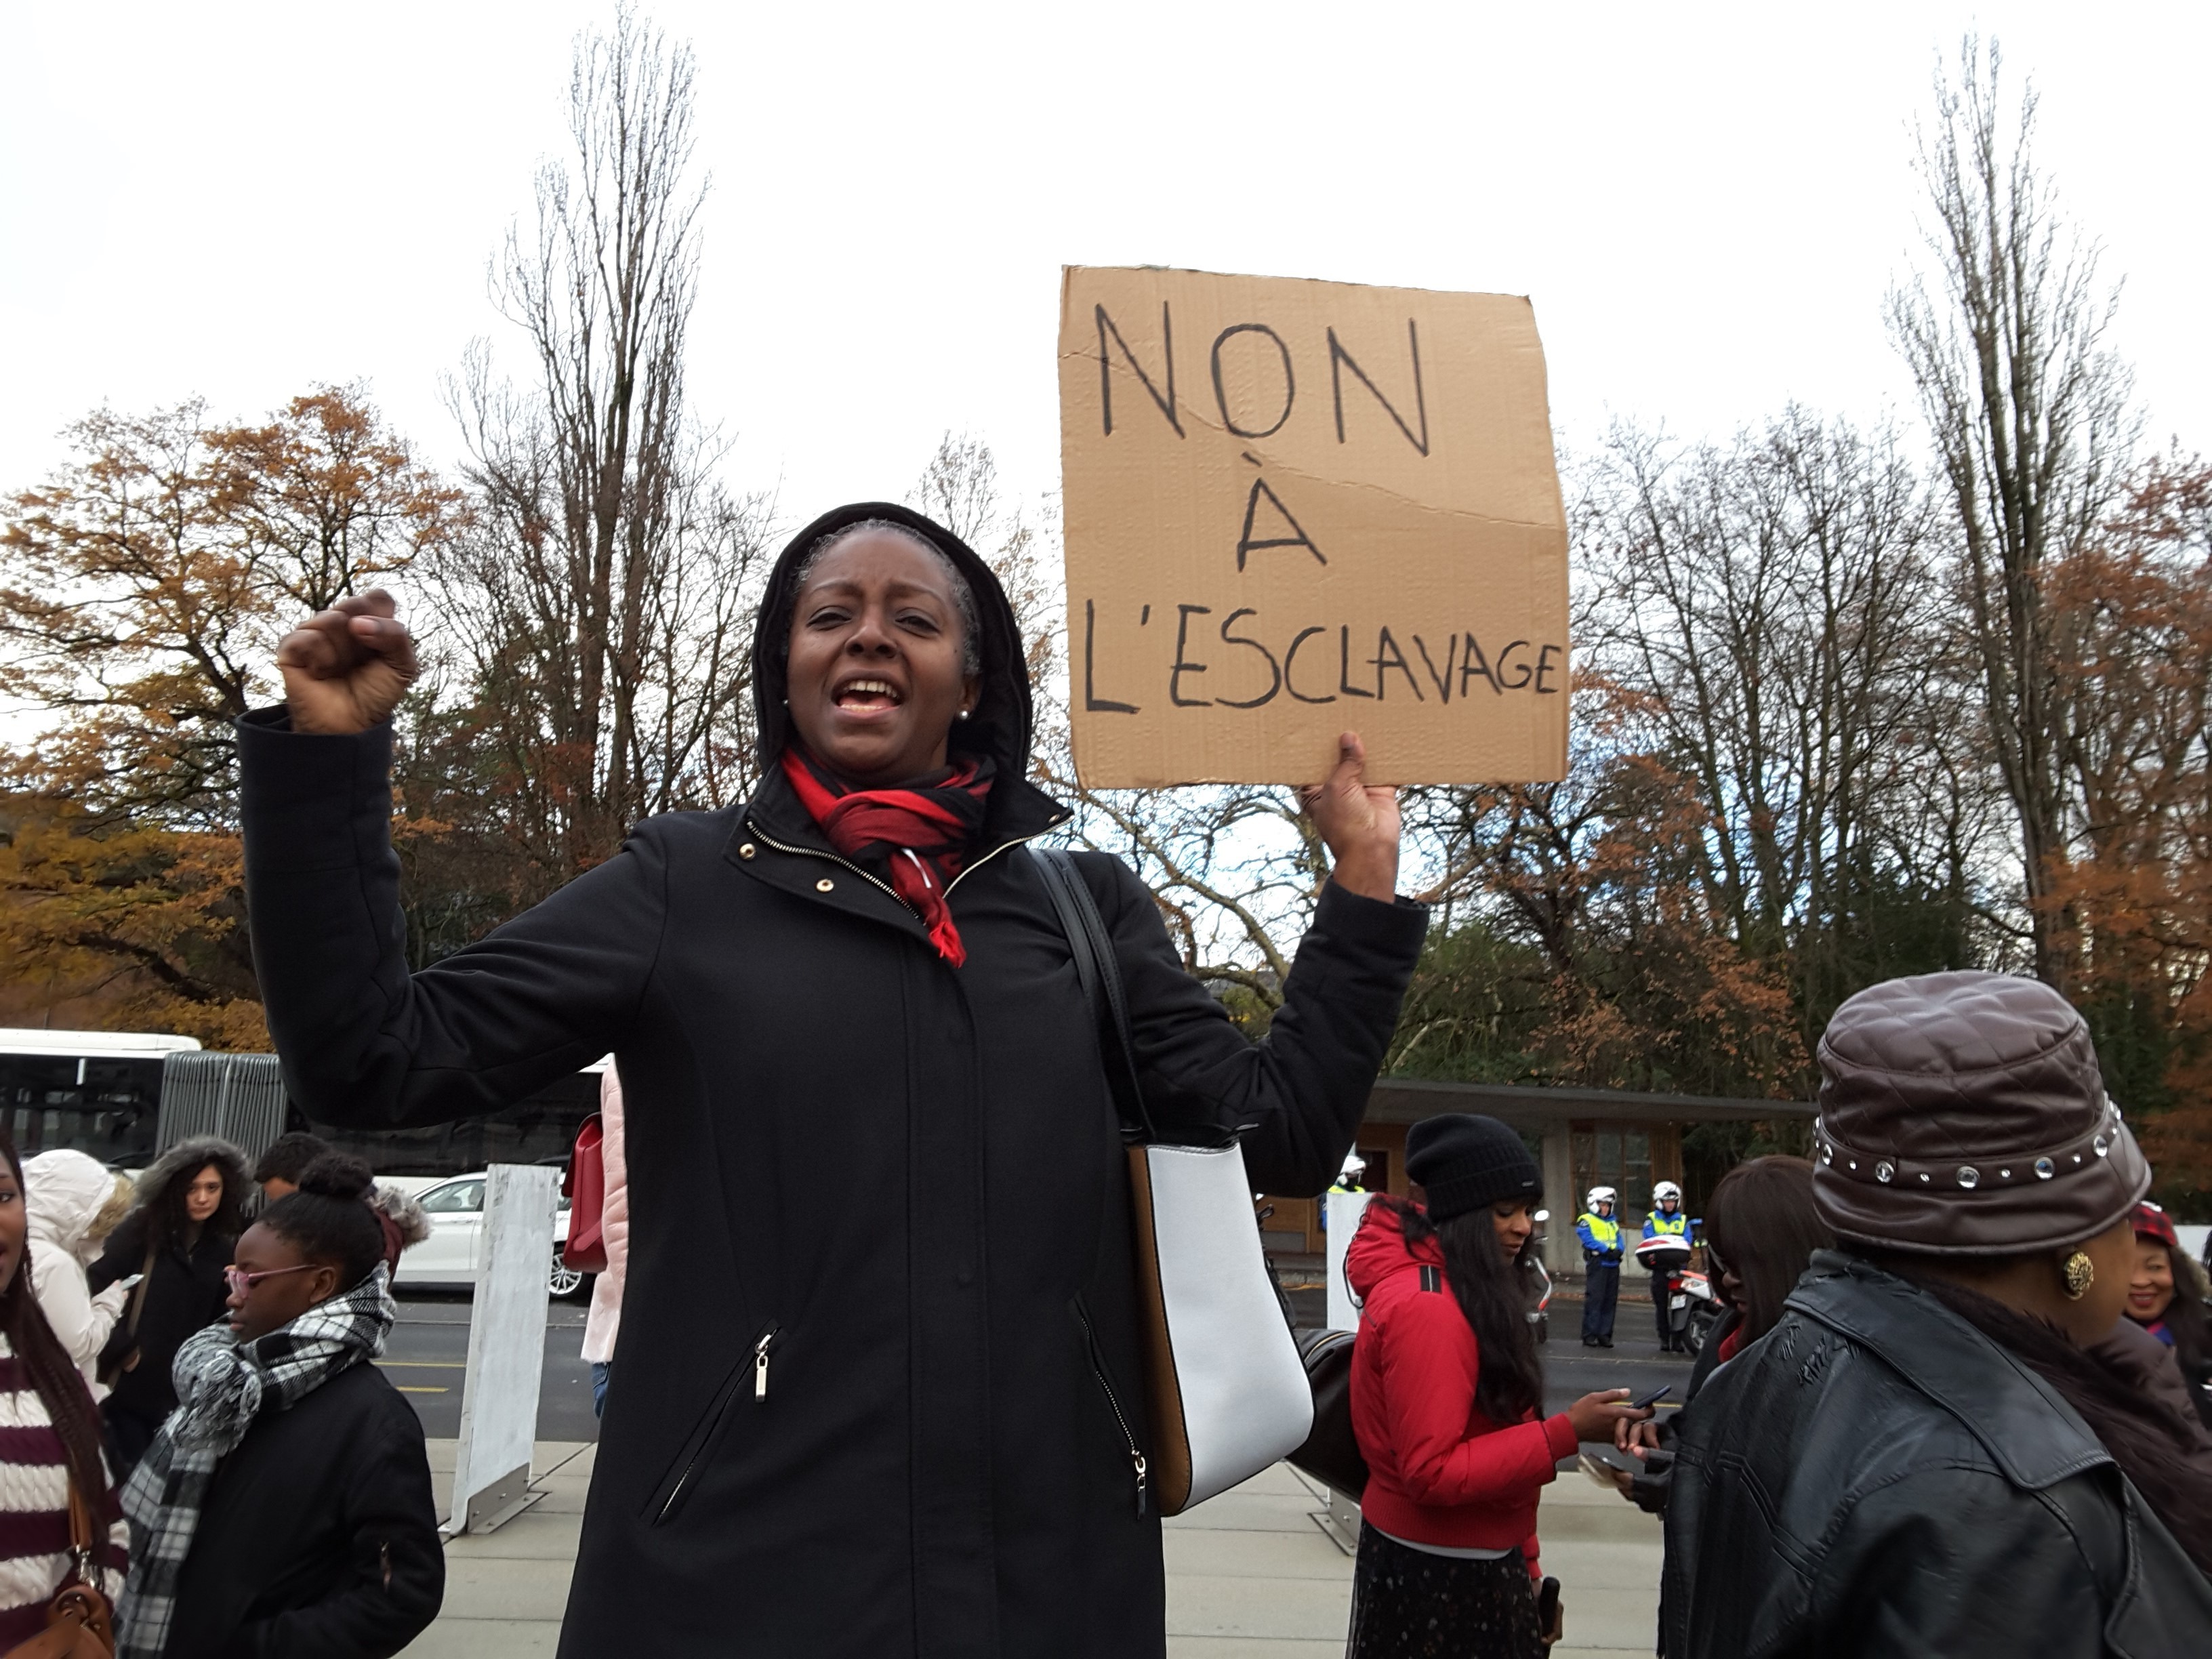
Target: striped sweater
{"x":35,"y":1535}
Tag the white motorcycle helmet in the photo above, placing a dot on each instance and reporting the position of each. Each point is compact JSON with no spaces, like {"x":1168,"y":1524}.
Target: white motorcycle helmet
{"x":1602,"y":1196}
{"x":1663,"y":1191}
{"x":1354,"y":1167}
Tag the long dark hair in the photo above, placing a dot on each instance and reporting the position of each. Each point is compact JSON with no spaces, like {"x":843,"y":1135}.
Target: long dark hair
{"x":51,"y":1372}
{"x":166,"y":1216}
{"x":1760,"y":1222}
{"x":1493,"y":1293}
{"x":2150,"y":1440}
{"x":2186,"y":1319}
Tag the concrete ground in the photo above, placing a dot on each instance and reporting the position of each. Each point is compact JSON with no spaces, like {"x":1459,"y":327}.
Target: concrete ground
{"x":1251,"y":1575}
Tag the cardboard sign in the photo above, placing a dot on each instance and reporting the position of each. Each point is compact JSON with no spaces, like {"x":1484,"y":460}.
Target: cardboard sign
{"x":1297,"y":508}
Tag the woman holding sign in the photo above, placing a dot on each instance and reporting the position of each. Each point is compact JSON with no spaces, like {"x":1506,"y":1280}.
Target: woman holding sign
{"x":911,"y":1424}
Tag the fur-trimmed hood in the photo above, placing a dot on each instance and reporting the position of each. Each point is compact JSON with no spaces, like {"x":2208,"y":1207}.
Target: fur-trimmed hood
{"x":187,"y":1158}
{"x":406,"y":1214}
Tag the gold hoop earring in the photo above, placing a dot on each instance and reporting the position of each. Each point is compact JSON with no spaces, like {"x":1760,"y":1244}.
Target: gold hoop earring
{"x":2080,"y":1273}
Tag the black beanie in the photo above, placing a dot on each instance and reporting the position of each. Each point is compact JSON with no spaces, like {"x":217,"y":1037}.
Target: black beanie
{"x":1468,"y":1162}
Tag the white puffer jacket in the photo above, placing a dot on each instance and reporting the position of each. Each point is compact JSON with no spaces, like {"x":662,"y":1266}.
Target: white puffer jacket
{"x":63,"y":1193}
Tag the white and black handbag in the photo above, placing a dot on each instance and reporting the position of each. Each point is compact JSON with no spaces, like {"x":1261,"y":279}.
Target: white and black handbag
{"x":1227,"y":1392}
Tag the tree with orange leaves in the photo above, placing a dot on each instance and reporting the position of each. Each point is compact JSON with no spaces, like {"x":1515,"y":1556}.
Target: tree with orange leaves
{"x":147,"y":580}
{"x":2132,"y":903}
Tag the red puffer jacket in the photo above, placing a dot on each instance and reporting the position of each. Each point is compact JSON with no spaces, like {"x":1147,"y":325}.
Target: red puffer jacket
{"x":1439,"y":1471}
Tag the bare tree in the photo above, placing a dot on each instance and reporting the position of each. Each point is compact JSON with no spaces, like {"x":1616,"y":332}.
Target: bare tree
{"x":599,"y":612}
{"x":2033,"y":420}
{"x":960,"y":488}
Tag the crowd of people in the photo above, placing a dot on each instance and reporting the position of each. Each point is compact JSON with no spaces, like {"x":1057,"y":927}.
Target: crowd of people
{"x":1954,"y":1401}
{"x":1956,"y":1404}
{"x":195,"y":1460}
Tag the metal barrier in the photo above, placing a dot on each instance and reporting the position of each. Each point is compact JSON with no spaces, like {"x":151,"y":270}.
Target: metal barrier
{"x":239,"y":1098}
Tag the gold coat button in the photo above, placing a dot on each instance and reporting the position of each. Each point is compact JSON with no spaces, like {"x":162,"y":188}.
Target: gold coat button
{"x":824,"y":885}
{"x":747,"y":850}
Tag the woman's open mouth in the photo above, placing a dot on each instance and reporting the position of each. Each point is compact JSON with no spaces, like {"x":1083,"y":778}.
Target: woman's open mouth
{"x":866,"y":696}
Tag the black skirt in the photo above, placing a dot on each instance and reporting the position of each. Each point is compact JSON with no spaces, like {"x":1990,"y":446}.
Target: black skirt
{"x":1408,"y":1604}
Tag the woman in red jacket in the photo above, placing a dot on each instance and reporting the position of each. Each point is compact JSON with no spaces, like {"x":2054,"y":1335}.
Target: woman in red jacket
{"x":1446,"y":1395}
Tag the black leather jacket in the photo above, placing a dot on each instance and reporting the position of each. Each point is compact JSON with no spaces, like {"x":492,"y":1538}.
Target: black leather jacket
{"x":1877,"y":1477}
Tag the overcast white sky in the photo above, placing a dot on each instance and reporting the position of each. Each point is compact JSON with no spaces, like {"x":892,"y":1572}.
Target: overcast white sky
{"x":1705,"y":203}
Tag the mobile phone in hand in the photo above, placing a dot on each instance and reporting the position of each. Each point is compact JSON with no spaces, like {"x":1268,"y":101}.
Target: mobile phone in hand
{"x":129,"y":1284}
{"x":1652,"y":1399}
{"x":1549,"y":1624}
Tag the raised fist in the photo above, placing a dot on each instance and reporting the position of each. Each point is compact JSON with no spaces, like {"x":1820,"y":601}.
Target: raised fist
{"x":346,"y":668}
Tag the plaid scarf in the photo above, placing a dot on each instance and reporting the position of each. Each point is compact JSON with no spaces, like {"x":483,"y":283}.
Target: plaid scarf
{"x":922,"y":833}
{"x":222,"y":1385}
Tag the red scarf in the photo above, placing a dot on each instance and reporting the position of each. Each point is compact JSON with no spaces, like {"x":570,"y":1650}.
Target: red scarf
{"x":922,"y":834}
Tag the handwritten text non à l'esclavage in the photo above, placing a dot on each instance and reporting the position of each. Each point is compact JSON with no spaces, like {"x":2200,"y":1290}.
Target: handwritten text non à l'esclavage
{"x":1313,"y":663}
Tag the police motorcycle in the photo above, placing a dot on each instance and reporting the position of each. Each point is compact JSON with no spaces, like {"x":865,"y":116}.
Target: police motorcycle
{"x":1540,"y":1281}
{"x":1687,"y":1293}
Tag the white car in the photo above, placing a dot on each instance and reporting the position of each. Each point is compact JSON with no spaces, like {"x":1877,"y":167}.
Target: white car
{"x":453,"y":1255}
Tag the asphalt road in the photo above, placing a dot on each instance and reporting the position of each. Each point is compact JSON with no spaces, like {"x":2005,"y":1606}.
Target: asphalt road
{"x":428,"y":1352}
{"x":427,"y":1356}
{"x":1571,"y":1371}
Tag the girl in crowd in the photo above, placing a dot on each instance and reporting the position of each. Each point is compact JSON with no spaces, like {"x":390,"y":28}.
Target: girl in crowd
{"x":74,"y":1202}
{"x":177,"y":1240}
{"x":1892,"y":1470}
{"x":1447,"y":1399}
{"x":285,"y":1506}
{"x":2165,"y":1298}
{"x":1761,"y":1230}
{"x":918,"y":1429}
{"x":50,"y":1450}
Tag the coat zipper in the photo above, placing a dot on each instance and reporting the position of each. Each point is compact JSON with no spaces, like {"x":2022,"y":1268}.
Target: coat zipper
{"x":721,"y":1409}
{"x":760,"y":1362}
{"x":816,"y":852}
{"x":1017,"y":841}
{"x":1113,"y":1405}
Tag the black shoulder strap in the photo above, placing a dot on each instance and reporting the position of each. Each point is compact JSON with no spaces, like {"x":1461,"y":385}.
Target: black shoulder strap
{"x":1431,"y":1280}
{"x":1100,"y":976}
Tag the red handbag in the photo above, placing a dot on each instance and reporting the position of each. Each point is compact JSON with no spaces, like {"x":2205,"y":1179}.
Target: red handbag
{"x":584,"y":1186}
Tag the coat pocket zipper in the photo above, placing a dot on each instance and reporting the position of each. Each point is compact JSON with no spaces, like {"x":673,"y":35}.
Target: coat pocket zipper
{"x":716,"y":1413}
{"x":1113,"y":1405}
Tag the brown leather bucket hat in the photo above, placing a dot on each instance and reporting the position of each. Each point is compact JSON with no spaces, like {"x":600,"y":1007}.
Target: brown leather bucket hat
{"x":1965,"y":1115}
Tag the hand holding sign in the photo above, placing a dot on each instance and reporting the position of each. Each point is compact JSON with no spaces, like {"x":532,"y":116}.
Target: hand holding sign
{"x":1358,"y":821}
{"x":1294,"y":507}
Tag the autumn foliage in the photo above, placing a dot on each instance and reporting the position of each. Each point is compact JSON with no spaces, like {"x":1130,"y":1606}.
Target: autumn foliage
{"x":2131,"y":904}
{"x":146,"y":584}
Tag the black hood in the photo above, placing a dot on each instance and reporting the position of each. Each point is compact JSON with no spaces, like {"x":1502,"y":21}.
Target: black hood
{"x":999,"y":727}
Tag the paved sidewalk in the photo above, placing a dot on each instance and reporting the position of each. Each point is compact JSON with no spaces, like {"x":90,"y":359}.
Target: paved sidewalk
{"x":1250,"y":1574}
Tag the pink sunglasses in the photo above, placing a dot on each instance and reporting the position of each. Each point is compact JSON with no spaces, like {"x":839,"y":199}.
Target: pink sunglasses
{"x":241,"y":1281}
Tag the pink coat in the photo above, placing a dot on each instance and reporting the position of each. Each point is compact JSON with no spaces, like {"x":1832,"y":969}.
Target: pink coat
{"x":605,"y":1317}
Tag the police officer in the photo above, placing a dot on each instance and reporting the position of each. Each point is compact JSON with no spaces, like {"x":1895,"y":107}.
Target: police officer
{"x":1600,"y":1236}
{"x":1666,"y":1221}
{"x":1347,"y":1181}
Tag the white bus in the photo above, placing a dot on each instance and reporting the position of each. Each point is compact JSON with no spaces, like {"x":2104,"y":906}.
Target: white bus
{"x":96,"y":1092}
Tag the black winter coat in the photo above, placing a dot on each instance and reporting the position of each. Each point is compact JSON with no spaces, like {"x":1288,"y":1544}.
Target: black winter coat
{"x":862,"y":1408}
{"x":320,"y":1535}
{"x":1875,"y":1477}
{"x":184,"y":1293}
